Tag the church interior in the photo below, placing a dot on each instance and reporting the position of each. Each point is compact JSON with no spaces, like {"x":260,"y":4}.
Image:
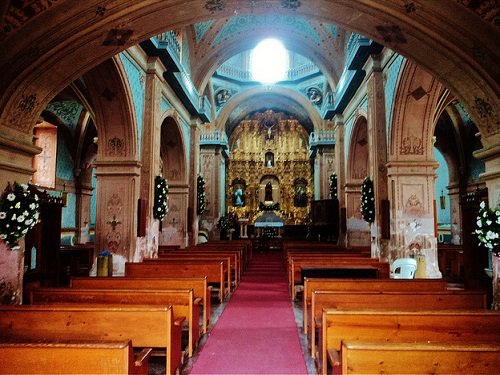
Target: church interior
{"x":147,"y":131}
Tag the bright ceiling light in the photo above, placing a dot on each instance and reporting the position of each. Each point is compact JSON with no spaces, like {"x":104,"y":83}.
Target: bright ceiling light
{"x":269,"y":61}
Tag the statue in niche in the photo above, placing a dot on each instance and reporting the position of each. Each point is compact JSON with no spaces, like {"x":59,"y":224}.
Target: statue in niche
{"x":300,"y":197}
{"x":239,"y":200}
{"x":269,"y":162}
{"x":268,"y":197}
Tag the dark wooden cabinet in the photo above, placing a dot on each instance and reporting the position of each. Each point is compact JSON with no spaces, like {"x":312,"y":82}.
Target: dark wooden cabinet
{"x":42,"y":243}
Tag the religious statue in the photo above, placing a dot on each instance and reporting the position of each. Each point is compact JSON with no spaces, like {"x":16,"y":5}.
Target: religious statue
{"x":268,"y":197}
{"x":300,"y":197}
{"x":238,"y":197}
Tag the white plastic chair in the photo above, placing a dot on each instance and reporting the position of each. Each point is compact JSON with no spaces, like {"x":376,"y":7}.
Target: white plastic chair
{"x":403,"y":268}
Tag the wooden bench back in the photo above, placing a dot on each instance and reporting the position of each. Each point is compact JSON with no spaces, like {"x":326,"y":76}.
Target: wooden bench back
{"x":145,"y":326}
{"x":183,"y":258}
{"x":402,"y":285}
{"x":60,"y":357}
{"x":419,"y":358}
{"x":405,"y":326}
{"x":182,"y":301}
{"x":198,"y":284}
{"x":354,"y":300}
{"x":213,"y":271}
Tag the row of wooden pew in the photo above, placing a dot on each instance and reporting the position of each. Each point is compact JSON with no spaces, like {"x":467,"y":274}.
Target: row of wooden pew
{"x":130,"y":318}
{"x":383,"y":325}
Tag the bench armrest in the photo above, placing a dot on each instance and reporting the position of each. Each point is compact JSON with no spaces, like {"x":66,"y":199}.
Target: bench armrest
{"x":198,"y":301}
{"x":333,"y":357}
{"x":142,"y":356}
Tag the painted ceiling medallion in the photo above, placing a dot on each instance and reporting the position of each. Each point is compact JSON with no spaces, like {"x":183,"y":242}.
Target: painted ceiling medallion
{"x":290,"y":4}
{"x":215,"y":5}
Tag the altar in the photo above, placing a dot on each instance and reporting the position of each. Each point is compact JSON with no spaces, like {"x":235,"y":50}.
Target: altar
{"x":269,"y":224}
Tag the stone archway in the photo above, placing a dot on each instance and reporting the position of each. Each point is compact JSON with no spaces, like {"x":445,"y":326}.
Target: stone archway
{"x":174,"y":229}
{"x":117,"y":165}
{"x":411,"y":168}
{"x":358,"y":233}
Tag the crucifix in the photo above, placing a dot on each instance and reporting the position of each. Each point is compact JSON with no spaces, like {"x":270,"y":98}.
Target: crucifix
{"x":113,"y":222}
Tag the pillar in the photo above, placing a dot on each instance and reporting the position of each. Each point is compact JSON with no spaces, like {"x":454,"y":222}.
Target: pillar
{"x":413,"y":231}
{"x":147,"y":242}
{"x":377,"y":145}
{"x":213,"y":169}
{"x":15,"y":165}
{"x":194,"y":167}
{"x":339,"y":165}
{"x":116,"y":217}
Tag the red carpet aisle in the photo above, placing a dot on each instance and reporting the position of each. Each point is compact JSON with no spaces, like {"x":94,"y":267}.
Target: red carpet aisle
{"x":256,"y":333}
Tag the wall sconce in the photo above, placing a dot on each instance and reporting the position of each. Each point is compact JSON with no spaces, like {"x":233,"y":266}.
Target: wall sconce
{"x":442,"y":200}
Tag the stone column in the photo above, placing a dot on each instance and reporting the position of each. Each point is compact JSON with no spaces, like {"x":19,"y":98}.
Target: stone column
{"x":411,"y":191}
{"x":213,"y":169}
{"x":147,"y":245}
{"x":16,"y":165}
{"x":340,"y":166}
{"x":194,"y":167}
{"x":116,"y":216}
{"x":377,"y":145}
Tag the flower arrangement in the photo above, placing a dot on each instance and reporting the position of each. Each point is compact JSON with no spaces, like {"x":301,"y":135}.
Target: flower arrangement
{"x":488,"y":227}
{"x":367,"y":200}
{"x":333,"y":186}
{"x":229,"y":221}
{"x":200,"y":194}
{"x":160,"y":208}
{"x":19,"y":212}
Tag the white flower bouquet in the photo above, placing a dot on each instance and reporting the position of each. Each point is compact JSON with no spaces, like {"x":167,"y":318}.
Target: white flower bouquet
{"x":488,"y":227}
{"x":19,"y":212}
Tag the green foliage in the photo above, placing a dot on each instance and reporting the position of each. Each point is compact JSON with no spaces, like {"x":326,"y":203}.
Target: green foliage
{"x":333,"y":186}
{"x":160,"y":208}
{"x":367,"y":200}
{"x":200,"y":194}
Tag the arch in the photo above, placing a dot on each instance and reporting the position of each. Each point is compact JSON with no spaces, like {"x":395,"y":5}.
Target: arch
{"x":113,"y":111}
{"x":302,"y":104}
{"x":244,"y":42}
{"x":414,"y":114}
{"x":357,"y":163}
{"x":29,"y":80}
{"x":172,"y":151}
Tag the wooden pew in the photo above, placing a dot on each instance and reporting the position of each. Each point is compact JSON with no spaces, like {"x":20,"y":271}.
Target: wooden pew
{"x":243,"y":245}
{"x":213,"y":271}
{"x":235,"y":254}
{"x":331,"y":262}
{"x":454,"y":326}
{"x":182,"y":301}
{"x":68,"y":357}
{"x":413,"y":285}
{"x":393,"y":300}
{"x":146,"y":326}
{"x":200,"y":287}
{"x":182,"y":258}
{"x":419,"y":358}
